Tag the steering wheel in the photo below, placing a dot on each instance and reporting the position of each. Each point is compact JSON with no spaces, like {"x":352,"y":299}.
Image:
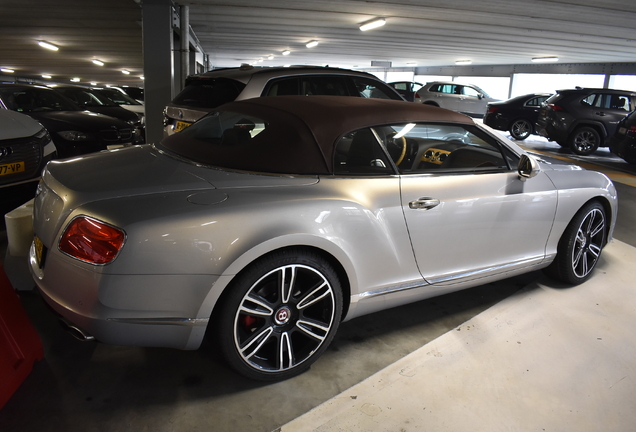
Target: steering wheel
{"x":400,"y":145}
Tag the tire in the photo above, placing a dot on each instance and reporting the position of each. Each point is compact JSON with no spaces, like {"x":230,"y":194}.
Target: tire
{"x":580,"y":245}
{"x":270,"y":331}
{"x":520,"y":129}
{"x":585,"y":141}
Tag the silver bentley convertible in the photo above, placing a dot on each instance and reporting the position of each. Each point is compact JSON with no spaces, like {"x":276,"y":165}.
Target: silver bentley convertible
{"x":272,"y":220}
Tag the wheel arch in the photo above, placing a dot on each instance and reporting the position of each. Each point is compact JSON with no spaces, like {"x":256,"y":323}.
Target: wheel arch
{"x":597,"y":126}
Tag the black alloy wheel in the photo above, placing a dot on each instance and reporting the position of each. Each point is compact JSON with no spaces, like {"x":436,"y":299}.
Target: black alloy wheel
{"x":580,"y":246}
{"x":585,"y":141}
{"x":280,"y":315}
{"x":520,"y":129}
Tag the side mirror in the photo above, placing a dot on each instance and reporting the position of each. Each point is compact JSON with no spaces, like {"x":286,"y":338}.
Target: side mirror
{"x":528,"y":167}
{"x":480,"y":95}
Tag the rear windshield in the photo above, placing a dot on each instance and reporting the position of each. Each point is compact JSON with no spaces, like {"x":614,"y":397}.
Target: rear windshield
{"x":240,"y":141}
{"x":209,"y":93}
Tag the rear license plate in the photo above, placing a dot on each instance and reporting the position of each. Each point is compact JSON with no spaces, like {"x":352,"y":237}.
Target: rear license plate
{"x":39,"y":251}
{"x":180,"y":125}
{"x":12,"y":168}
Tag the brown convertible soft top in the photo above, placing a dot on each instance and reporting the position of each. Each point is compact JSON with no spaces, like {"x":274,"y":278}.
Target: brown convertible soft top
{"x":302,"y":131}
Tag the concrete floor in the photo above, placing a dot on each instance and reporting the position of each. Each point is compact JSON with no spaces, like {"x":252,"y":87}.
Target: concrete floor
{"x":520,"y":354}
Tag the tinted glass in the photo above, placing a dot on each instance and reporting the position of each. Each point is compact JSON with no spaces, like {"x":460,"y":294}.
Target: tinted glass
{"x":85,"y":97}
{"x":360,"y":153}
{"x":537,"y":101}
{"x":370,"y":88}
{"x":36,"y":100}
{"x":209,"y":93}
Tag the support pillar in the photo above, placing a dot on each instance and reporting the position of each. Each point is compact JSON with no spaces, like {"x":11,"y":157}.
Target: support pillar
{"x":158,"y":64}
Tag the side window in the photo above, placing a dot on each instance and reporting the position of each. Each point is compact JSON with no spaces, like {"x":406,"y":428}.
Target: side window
{"x":469,"y":91}
{"x":595,"y":100}
{"x":282,"y":87}
{"x":369,"y":88}
{"x":430,"y":148}
{"x":401,"y":86}
{"x":619,"y":102}
{"x":323,"y":85}
{"x":359,"y":153}
{"x":537,"y":101}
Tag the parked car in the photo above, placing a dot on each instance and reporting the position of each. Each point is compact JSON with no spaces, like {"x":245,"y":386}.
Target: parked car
{"x":623,"y":142}
{"x":92,"y":100}
{"x":584,"y":119}
{"x":407,"y":89}
{"x":120,"y":97}
{"x":205,"y":92}
{"x":137,"y":93}
{"x":465,"y":98}
{"x":74,"y":131}
{"x":25,"y":147}
{"x":517,"y":115}
{"x":283,"y":216}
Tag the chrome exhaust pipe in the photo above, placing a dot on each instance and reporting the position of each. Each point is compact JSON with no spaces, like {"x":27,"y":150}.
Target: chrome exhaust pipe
{"x":75,"y":331}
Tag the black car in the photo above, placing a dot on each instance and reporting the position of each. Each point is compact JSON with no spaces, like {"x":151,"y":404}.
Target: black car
{"x":74,"y":131}
{"x":623,"y":142}
{"x":95,"y":101}
{"x":517,"y":115}
{"x":584,"y":119}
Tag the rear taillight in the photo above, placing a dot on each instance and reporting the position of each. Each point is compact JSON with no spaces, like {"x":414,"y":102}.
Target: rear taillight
{"x":556,"y":107}
{"x":632,"y":131}
{"x":91,"y":240}
{"x":491,"y":110}
{"x":417,"y":95}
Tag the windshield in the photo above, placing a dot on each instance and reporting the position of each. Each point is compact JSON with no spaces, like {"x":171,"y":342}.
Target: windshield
{"x":85,"y":97}
{"x":35,"y":99}
{"x":116,"y":96}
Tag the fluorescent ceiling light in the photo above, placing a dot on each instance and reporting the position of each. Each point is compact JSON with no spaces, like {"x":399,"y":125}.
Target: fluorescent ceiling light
{"x":125,"y":72}
{"x":270,"y":57}
{"x":46,"y":76}
{"x":286,"y":52}
{"x":7,"y":70}
{"x":48,"y":45}
{"x":312,"y":44}
{"x":547,"y":59}
{"x":375,"y":23}
{"x":411,"y":63}
{"x":98,"y":62}
{"x":142,"y":77}
{"x":463,"y":62}
{"x":93,"y":83}
{"x":75,"y":80}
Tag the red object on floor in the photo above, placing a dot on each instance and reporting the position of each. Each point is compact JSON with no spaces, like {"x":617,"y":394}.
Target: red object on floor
{"x":20,"y":345}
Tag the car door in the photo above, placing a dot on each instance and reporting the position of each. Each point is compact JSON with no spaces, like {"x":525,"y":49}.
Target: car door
{"x":468,"y":213}
{"x":471,"y":101}
{"x":446,"y":95}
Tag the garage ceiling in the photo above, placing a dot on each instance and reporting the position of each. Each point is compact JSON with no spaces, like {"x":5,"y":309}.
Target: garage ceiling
{"x":427,"y":32}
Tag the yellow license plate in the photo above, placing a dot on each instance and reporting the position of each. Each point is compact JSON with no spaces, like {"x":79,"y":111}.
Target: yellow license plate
{"x":180,"y":125}
{"x":39,"y":250}
{"x":12,"y":168}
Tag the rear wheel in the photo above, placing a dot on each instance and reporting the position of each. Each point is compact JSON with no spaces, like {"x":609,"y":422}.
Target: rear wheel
{"x":520,"y":129}
{"x":580,"y":246}
{"x":584,"y":141}
{"x":280,"y":315}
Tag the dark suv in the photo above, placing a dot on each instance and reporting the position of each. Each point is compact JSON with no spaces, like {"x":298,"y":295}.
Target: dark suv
{"x":584,"y":119}
{"x":203,"y":93}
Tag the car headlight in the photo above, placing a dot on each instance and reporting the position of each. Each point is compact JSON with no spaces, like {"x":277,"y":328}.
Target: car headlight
{"x":75,"y":135}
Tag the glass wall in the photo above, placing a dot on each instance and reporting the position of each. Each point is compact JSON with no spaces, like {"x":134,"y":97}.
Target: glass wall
{"x":623,"y":82}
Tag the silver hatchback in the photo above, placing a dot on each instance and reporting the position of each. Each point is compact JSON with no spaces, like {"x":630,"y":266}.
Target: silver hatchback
{"x":203,"y":93}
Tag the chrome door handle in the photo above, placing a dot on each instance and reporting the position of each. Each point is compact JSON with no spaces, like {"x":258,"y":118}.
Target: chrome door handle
{"x":424,"y":204}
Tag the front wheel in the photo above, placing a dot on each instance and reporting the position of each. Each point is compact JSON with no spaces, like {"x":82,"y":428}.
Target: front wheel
{"x":280,"y":315}
{"x":585,"y":141}
{"x":520,"y":129}
{"x":580,"y":246}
